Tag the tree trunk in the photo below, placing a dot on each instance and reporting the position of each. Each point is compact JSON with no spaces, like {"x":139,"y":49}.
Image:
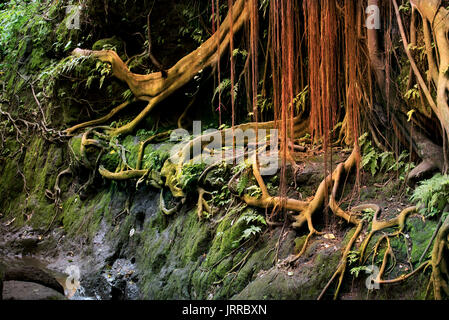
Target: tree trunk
{"x":430,"y":153}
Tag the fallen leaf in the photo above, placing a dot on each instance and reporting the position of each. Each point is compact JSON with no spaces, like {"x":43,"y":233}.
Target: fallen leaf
{"x":329,"y":236}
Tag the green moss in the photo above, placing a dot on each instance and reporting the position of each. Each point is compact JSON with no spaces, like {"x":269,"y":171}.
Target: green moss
{"x":154,"y":159}
{"x":113,"y":43}
{"x":132,"y":146}
{"x":420,"y":234}
{"x":75,"y":145}
{"x":11,"y":186}
{"x":226,"y":239}
{"x":299,"y":243}
{"x":110,"y":161}
{"x":83,"y":218}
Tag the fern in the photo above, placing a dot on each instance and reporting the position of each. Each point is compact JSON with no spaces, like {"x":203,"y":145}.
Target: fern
{"x":356,"y":271}
{"x":376,"y":162}
{"x":432,"y":195}
{"x":254,"y":223}
{"x":223,"y":86}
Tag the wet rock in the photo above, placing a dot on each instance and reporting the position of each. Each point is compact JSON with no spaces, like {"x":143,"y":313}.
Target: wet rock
{"x":118,"y":282}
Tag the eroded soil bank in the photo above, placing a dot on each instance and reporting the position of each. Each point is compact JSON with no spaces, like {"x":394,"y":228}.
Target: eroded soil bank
{"x":144,"y":254}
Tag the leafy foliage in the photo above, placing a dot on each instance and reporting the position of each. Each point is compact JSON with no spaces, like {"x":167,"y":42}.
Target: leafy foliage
{"x":254,"y":223}
{"x":22,"y":34}
{"x":221,"y":198}
{"x":432,"y":195}
{"x":154,"y":160}
{"x":241,"y":185}
{"x":190,"y":175}
{"x":376,"y":162}
{"x":356,"y":270}
{"x":412,"y":94}
{"x":368,"y":215}
{"x":300,"y":100}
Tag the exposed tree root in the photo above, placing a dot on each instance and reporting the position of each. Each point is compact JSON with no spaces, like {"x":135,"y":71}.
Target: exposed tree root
{"x":99,"y":121}
{"x":440,"y":275}
{"x":163,"y":207}
{"x":156,"y":87}
{"x":122,"y":175}
{"x":202,"y":204}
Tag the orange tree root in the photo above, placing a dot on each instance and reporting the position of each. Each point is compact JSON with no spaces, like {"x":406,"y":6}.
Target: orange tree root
{"x":440,"y":276}
{"x":202,"y":205}
{"x":154,"y":87}
{"x":99,"y":121}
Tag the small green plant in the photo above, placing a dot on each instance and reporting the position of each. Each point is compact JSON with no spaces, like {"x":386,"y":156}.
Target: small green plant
{"x":155,"y":160}
{"x":432,"y":195}
{"x":127,"y":94}
{"x":254,"y":191}
{"x":376,"y":162}
{"x":353,"y":256}
{"x":356,"y":270}
{"x":412,"y":94}
{"x":222,"y":197}
{"x":224,"y":86}
{"x":242,"y":184}
{"x":254,"y":223}
{"x":368,"y":215}
{"x":101,"y":71}
{"x":300,"y":100}
{"x":241,"y":52}
{"x":190,"y":175}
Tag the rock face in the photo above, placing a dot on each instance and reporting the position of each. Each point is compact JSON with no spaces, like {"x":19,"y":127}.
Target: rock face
{"x":144,"y":254}
{"x":10,"y":272}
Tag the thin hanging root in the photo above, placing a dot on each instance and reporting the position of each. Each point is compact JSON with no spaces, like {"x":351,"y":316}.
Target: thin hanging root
{"x":164,"y":209}
{"x":202,"y":204}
